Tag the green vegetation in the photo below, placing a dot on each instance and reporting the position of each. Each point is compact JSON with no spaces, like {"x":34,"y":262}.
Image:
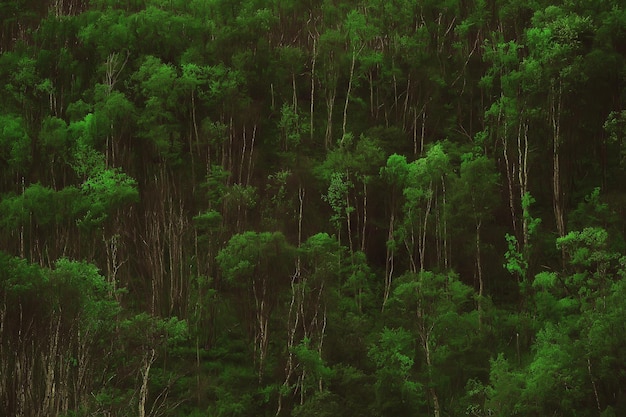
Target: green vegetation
{"x":231,"y":208}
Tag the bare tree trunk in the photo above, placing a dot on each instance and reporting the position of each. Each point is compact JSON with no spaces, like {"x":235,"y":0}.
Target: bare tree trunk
{"x":348,"y":221}
{"x":363,"y":229}
{"x":445,"y":225}
{"x":82,"y":347}
{"x":321,"y":340}
{"x":4,"y":358}
{"x":425,"y":338}
{"x":243,"y":154}
{"x":330,"y":104}
{"x":148,"y":360}
{"x":405,"y":108}
{"x":294,"y":97}
{"x":509,"y":175}
{"x":370,"y":77}
{"x":389,"y":264}
{"x":479,"y":270}
{"x":557,"y":193}
{"x":345,"y":106}
{"x":262,"y":320}
{"x":313,"y":62}
{"x":250,"y":160}
{"x":292,"y":321}
{"x":522,"y":164}
{"x":410,"y":248}
{"x":197,"y":137}
{"x":593,"y":384}
{"x":49,"y":362}
{"x":424,"y":226}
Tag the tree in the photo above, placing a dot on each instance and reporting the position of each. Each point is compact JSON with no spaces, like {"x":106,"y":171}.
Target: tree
{"x":397,"y":392}
{"x":57,"y":323}
{"x":257,"y":268}
{"x":442,"y":324}
{"x":424,"y":191}
{"x":476,"y":186}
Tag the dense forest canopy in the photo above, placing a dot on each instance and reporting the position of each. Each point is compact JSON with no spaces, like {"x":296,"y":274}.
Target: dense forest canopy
{"x":312,"y":208}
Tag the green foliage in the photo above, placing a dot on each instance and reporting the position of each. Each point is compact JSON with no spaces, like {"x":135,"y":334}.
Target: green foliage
{"x":15,"y":142}
{"x":396,"y":388}
{"x":166,"y":156}
{"x":42,"y":205}
{"x":105,"y":192}
{"x":312,"y":363}
{"x":505,"y":389}
{"x":324,"y":404}
{"x":292,"y":126}
{"x":87,"y":135}
{"x":337,"y":197}
{"x":532,"y":222}
{"x":209,"y":220}
{"x":249,"y":254}
{"x":395,"y":171}
{"x":515,"y":262}
{"x":54,"y":137}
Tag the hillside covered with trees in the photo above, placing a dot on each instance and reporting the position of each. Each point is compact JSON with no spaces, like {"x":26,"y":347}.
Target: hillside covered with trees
{"x":312,"y":208}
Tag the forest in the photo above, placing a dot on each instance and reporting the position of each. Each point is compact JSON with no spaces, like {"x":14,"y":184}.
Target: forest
{"x":232,"y":208}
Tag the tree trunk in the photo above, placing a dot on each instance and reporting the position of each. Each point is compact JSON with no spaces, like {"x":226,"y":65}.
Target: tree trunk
{"x":345,"y":106}
{"x":479,"y":271}
{"x":424,"y":226}
{"x":364,"y":228}
{"x":330,"y":104}
{"x":425,"y":338}
{"x":557,"y":192}
{"x":250,"y":160}
{"x":148,"y":360}
{"x":313,"y":62}
{"x":522,"y":169}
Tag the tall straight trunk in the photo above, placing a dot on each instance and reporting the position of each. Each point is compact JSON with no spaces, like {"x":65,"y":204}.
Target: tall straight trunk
{"x":294,"y":97}
{"x":594,"y":385}
{"x":364,"y":223}
{"x":409,"y":244}
{"x":425,"y":334}
{"x":446,"y":260}
{"x":349,"y":221}
{"x":509,"y":173}
{"x":231,"y":139}
{"x":148,"y":360}
{"x":423,"y":133}
{"x":370,"y":77}
{"x":22,"y":250}
{"x":83,"y":343}
{"x":424,"y":226}
{"x":405,"y":108}
{"x":313,"y":62}
{"x":479,"y":272}
{"x":250,"y":155}
{"x":345,"y":106}
{"x":389,"y":264}
{"x":261,"y":333}
{"x":395,"y":90}
{"x":195,"y":135}
{"x":522,"y":169}
{"x":330,"y":104}
{"x":320,"y":344}
{"x":557,"y":192}
{"x":49,"y":362}
{"x":295,"y":305}
{"x":293,"y":317}
{"x":243,"y":154}
{"x":4,"y":357}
